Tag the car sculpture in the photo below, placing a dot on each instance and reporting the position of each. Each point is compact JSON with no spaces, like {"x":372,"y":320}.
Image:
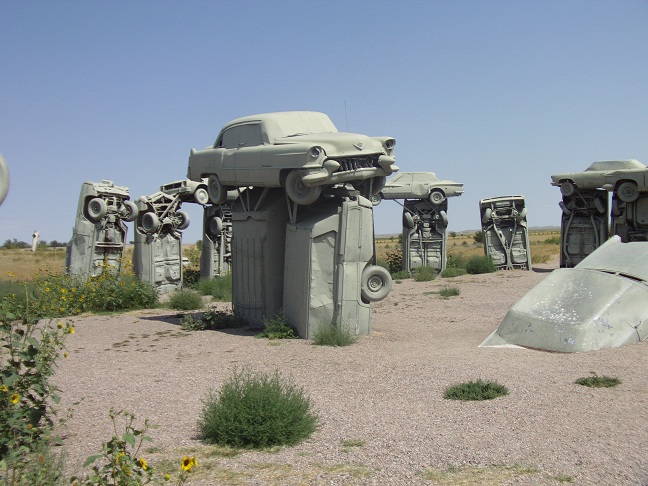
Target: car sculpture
{"x":595,"y":176}
{"x":301,"y":151}
{"x":627,"y":184}
{"x":419,"y":185}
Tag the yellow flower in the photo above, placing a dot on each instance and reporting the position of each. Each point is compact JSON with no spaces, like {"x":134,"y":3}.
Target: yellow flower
{"x":188,"y":463}
{"x":66,"y":355}
{"x":11,"y":274}
{"x":60,"y":325}
{"x":167,"y":477}
{"x":3,"y":388}
{"x":142,"y":462}
{"x":71,"y":329}
{"x":47,"y":289}
{"x":15,"y":398}
{"x":63,"y":291}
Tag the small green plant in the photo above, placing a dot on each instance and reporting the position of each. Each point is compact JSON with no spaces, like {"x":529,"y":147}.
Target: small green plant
{"x":453,"y":272}
{"x":475,"y":390}
{"x":395,"y":260}
{"x":596,"y":381}
{"x":220,"y":288}
{"x":277,"y":328}
{"x":447,"y":292}
{"x":185,"y":300}
{"x":402,"y":275}
{"x":211,"y":320}
{"x":257,"y":410}
{"x":424,"y":274}
{"x":554,"y":240}
{"x":353,"y":443}
{"x":478,"y":237}
{"x":333,"y":335}
{"x":480,"y":264}
{"x":119,"y":461}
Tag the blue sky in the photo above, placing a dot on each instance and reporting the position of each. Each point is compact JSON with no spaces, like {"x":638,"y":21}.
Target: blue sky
{"x":498,"y":95}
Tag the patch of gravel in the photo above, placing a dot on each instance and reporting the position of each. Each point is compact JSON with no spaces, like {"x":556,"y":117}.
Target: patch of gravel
{"x":385,"y":393}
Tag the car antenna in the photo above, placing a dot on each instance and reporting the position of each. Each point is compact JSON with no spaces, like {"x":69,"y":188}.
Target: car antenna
{"x":345,"y":116}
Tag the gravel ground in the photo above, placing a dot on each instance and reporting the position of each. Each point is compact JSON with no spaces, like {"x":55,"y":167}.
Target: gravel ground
{"x":384,"y":393}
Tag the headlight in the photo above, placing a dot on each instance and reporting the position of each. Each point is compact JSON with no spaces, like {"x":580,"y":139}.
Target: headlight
{"x":389,"y":144}
{"x":315,"y":152}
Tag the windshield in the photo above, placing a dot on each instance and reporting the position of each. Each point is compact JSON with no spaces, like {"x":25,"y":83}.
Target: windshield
{"x":301,"y":123}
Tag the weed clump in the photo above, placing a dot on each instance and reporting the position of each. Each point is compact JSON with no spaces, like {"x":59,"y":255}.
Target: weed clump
{"x":480,"y":264}
{"x":596,"y":381}
{"x":220,"y":288}
{"x":185,"y":300}
{"x":257,"y":410}
{"x":424,"y":274}
{"x":447,"y":292}
{"x":211,"y":320}
{"x":475,"y":390}
{"x":333,"y":335}
{"x":276,"y":328}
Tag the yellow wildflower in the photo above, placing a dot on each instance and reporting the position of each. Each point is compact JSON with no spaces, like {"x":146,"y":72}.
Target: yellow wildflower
{"x":11,"y":274}
{"x":3,"y":388}
{"x":47,"y":289}
{"x":60,"y":325}
{"x":15,"y":398}
{"x":66,"y":355}
{"x":71,"y":329}
{"x":167,"y":477}
{"x":188,"y":463}
{"x":142,"y":462}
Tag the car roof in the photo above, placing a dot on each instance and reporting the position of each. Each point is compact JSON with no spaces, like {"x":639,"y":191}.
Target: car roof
{"x":615,"y":165}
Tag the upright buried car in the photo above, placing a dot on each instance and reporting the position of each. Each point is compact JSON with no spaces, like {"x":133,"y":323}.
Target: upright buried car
{"x":301,"y":151}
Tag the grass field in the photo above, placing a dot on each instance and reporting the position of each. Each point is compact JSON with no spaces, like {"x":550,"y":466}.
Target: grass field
{"x":21,"y":265}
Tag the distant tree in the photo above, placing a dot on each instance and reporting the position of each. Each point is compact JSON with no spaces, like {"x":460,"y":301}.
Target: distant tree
{"x":478,"y":237}
{"x":199,"y":244}
{"x":453,"y":234}
{"x":14,"y":244}
{"x":57,"y":244}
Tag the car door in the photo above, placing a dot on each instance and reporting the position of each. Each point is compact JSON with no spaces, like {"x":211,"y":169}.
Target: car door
{"x":249,"y":156}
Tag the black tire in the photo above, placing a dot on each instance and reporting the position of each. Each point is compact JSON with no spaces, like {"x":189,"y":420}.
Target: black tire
{"x":201,"y":196}
{"x":183,"y":220}
{"x":129,"y":211}
{"x":628,"y":192}
{"x":599,"y":205}
{"x":567,"y":188}
{"x":150,"y":222}
{"x":96,"y":209}
{"x":214,"y":226}
{"x":376,"y":283}
{"x":486,"y":216}
{"x":444,"y":218}
{"x":436,"y":196}
{"x":215,"y":189}
{"x":375,"y":199}
{"x":298,"y":192}
{"x":564,"y":208}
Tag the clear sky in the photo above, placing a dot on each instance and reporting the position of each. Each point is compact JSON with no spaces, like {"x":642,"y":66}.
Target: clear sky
{"x":497,"y":95}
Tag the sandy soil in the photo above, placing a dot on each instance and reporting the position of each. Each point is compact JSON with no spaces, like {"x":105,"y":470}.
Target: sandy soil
{"x":385,"y":394}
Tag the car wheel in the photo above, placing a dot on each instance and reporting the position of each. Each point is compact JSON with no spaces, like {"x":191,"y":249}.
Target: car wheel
{"x":184,"y":220}
{"x":436,"y":196}
{"x":599,"y":205}
{"x":214,"y":226}
{"x":298,"y":192}
{"x":4,"y":179}
{"x":444,"y":218}
{"x":487,"y":215}
{"x":96,"y":209}
{"x":521,"y":215}
{"x":216,"y":190}
{"x":375,"y":199}
{"x":150,"y":222}
{"x":628,"y":192}
{"x":129,"y":211}
{"x":567,"y":188}
{"x":408,"y":220}
{"x":375,"y":283}
{"x":201,"y":196}
{"x":564,"y":208}
{"x":377,"y":184}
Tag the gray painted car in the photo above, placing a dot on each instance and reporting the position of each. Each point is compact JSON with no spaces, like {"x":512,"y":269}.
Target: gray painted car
{"x":627,"y":184}
{"x":419,"y":185}
{"x":298,"y":150}
{"x":601,"y":303}
{"x":594,"y":176}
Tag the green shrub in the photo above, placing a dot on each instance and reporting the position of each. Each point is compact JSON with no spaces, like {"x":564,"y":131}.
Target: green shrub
{"x":424,"y":274}
{"x":402,"y":275}
{"x":475,"y":390}
{"x":185,"y":300}
{"x":28,"y":351}
{"x":449,"y":292}
{"x":381,"y":262}
{"x":211,"y":320}
{"x":453,"y":272}
{"x":554,"y":240}
{"x":395,"y":260}
{"x":220,"y":288}
{"x":190,"y":277}
{"x":277,"y":328}
{"x":478,"y":237}
{"x":456,"y":261}
{"x":596,"y":381}
{"x":257,"y":410}
{"x":333,"y":335}
{"x":480,"y":264}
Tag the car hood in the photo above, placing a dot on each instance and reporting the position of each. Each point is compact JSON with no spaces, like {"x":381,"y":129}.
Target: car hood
{"x":337,"y":144}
